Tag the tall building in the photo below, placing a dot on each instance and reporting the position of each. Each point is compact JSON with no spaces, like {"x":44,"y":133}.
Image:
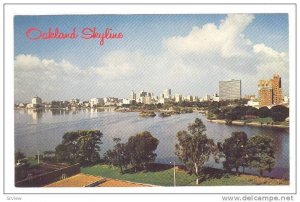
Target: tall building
{"x":167,"y":93}
{"x":189,"y":98}
{"x":277,"y":91}
{"x":178,"y":98}
{"x":132,"y":96}
{"x":143,"y":93}
{"x":265,"y":93}
{"x":270,"y":91}
{"x":230,"y":90}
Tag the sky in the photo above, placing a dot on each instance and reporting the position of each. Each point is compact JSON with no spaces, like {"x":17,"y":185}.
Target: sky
{"x":189,"y":54}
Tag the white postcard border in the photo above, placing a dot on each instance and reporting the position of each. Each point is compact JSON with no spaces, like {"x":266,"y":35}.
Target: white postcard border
{"x":51,"y":9}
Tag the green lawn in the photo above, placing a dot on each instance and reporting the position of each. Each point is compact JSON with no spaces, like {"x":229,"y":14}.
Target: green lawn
{"x":164,"y":177}
{"x":261,"y":120}
{"x":32,"y":161}
{"x":267,"y":120}
{"x":244,"y":180}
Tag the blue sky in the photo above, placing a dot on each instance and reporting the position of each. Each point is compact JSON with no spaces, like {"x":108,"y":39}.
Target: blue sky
{"x":148,"y":40}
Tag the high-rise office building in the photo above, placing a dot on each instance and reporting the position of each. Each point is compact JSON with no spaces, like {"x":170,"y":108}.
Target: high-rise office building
{"x":265,"y":93}
{"x":277,"y":91}
{"x":230,"y":90}
{"x":178,"y":98}
{"x":132,"y":96}
{"x":167,"y":93}
{"x":270,"y":91}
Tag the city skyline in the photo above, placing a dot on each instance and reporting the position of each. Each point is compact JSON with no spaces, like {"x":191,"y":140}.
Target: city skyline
{"x":191,"y":60}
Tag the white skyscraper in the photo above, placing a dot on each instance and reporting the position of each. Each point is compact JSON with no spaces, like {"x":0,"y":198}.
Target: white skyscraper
{"x":167,"y":93}
{"x":230,"y":90}
{"x":132,"y":96}
{"x":178,"y":98}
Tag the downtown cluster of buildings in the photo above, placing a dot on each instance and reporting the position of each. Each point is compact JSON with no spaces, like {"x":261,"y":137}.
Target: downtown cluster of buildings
{"x":269,"y":94}
{"x":164,"y":97}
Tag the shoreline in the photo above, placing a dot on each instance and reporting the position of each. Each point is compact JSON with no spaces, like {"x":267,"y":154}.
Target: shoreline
{"x":255,"y":124}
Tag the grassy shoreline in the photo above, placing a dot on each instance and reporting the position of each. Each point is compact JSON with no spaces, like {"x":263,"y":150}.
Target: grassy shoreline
{"x":163,"y":175}
{"x":245,"y":123}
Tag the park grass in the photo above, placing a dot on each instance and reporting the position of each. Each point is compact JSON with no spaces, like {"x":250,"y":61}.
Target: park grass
{"x":232,"y":180}
{"x":265,"y":121}
{"x":32,"y":161}
{"x":259,"y":120}
{"x":162,"y":175}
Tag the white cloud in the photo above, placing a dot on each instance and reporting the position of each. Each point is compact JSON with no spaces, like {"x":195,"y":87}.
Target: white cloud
{"x":27,"y":62}
{"x":226,"y":40}
{"x":120,"y":64}
{"x":269,"y":60}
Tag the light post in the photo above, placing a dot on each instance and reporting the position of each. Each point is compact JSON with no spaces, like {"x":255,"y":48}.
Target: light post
{"x":174,"y":174}
{"x":38,"y":158}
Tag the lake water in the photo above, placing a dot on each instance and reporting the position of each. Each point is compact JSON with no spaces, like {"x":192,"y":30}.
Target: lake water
{"x":41,"y":131}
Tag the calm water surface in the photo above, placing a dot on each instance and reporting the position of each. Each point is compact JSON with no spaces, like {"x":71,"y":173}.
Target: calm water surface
{"x":41,"y":131}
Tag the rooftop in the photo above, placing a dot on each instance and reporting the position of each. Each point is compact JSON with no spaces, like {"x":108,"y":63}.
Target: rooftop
{"x":84,"y":180}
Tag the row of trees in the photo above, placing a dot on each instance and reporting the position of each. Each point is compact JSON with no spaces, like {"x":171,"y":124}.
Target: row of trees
{"x":83,"y":147}
{"x":278,"y":113}
{"x":194,"y":149}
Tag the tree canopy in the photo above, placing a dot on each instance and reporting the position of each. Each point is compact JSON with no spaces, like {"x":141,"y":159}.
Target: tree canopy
{"x":119,"y":156}
{"x":260,"y":150}
{"x":137,"y":152}
{"x":234,"y":149}
{"x":194,"y":148}
{"x":82,"y":146}
{"x":141,"y":149}
{"x":264,"y":112}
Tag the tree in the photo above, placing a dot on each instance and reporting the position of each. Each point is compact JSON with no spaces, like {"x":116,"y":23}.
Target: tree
{"x":278,"y":116}
{"x":19,"y":156}
{"x":264,"y":112}
{"x":48,"y":155}
{"x":213,"y":108}
{"x":261,"y":152}
{"x":194,"y":148}
{"x":234,"y":149}
{"x":119,"y":156}
{"x":281,"y":109}
{"x":63,"y":153}
{"x":89,"y":145}
{"x":81,"y":146}
{"x":21,"y":166}
{"x":141,"y":149}
{"x":252,"y":111}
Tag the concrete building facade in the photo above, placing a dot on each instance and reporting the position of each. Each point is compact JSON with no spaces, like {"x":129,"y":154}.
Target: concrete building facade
{"x":230,"y":90}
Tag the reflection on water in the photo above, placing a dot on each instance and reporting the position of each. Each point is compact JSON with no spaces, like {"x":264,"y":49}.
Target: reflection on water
{"x":36,"y":114}
{"x":41,"y":130}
